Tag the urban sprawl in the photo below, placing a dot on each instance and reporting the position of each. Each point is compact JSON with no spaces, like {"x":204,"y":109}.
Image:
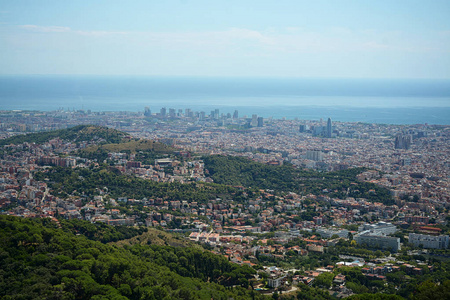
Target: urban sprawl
{"x":412,"y":161}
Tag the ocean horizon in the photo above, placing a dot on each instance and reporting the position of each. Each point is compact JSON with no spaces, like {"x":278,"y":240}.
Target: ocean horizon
{"x":390,"y":101}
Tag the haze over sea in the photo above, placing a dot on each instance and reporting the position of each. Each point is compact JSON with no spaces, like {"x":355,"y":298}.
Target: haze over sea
{"x":392,"y":101}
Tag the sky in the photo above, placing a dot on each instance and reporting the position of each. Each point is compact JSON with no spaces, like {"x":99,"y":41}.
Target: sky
{"x":283,"y":38}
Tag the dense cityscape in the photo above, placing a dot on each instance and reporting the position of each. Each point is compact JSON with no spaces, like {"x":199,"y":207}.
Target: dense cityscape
{"x":290,"y":236}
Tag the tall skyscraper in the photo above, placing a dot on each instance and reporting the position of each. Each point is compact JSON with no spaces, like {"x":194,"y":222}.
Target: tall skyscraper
{"x":163,"y":112}
{"x":236,"y":114}
{"x":147,"y":112}
{"x":260,"y":121}
{"x":329,"y":128}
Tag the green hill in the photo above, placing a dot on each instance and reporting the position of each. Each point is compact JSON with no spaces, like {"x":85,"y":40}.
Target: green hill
{"x":233,"y":170}
{"x":132,"y":147}
{"x":146,"y":151}
{"x":74,"y":134}
{"x":66,"y":181}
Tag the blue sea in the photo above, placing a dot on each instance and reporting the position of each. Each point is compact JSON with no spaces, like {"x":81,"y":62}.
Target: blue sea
{"x":390,"y":101}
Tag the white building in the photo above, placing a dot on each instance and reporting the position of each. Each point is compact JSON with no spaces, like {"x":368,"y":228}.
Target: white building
{"x":429,"y":241}
{"x":328,"y":233}
{"x":381,"y":228}
{"x":374,"y":240}
{"x":274,"y":281}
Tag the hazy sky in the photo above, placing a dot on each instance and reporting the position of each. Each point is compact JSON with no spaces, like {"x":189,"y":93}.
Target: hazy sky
{"x":357,"y":39}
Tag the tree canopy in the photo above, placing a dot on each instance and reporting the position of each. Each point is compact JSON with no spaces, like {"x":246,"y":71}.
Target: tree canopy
{"x":40,"y":260}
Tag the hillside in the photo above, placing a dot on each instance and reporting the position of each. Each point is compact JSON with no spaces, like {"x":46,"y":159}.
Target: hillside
{"x":145,"y":151}
{"x":132,"y":147}
{"x":39,"y":260}
{"x":66,"y":181}
{"x":74,"y":134}
{"x":157,"y":237}
{"x":233,"y":170}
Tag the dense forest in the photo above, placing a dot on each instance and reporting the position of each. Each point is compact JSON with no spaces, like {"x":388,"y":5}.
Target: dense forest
{"x":40,"y":259}
{"x":241,"y":171}
{"x":74,"y":134}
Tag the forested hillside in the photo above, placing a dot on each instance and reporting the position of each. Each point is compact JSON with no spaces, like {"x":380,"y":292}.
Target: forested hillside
{"x":65,"y":181}
{"x":145,"y":151}
{"x":40,"y":260}
{"x":241,"y":171}
{"x":74,"y":134}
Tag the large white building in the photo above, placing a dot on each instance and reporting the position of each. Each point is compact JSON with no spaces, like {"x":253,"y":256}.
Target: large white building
{"x":328,"y":233}
{"x":374,"y":240}
{"x":429,"y":241}
{"x":374,"y":236}
{"x":381,"y":228}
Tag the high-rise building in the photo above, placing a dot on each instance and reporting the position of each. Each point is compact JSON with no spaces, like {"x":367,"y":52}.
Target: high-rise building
{"x":319,"y":130}
{"x":315,"y":155}
{"x":260,"y":121}
{"x":235,"y":114}
{"x":302,"y":128}
{"x":147,"y":111}
{"x":329,"y":128}
{"x":254,"y":121}
{"x":403,"y":141}
{"x":163,"y":112}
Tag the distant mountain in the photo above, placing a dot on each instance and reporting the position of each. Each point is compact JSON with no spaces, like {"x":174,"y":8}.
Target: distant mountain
{"x":78,"y":133}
